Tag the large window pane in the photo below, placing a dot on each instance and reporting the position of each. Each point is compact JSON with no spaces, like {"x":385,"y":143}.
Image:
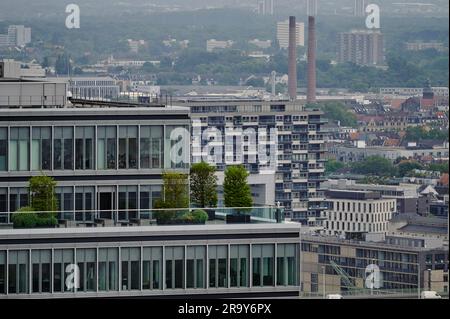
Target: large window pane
{"x":152,"y":268}
{"x":63,"y":148}
{"x":19,"y":145}
{"x":18,"y":272}
{"x":84,"y":147}
{"x":2,"y":272}
{"x":128,"y":147}
{"x":106,"y":147}
{"x":263,"y":265}
{"x":3,"y":148}
{"x":108,"y":269}
{"x":86,"y":263}
{"x":130,"y":268}
{"x":195,"y":261}
{"x":174,"y":267}
{"x":41,"y":148}
{"x":239,"y":261}
{"x":218,"y":274}
{"x":151,"y":146}
{"x":40,"y":261}
{"x":62,"y":258}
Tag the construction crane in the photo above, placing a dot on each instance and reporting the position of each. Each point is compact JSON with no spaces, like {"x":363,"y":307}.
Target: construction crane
{"x":344,"y":276}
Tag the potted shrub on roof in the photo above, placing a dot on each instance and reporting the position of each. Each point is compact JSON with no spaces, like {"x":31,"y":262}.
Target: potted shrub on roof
{"x":42,"y":212}
{"x":204,"y":187}
{"x":237,"y":194}
{"x":175,"y":200}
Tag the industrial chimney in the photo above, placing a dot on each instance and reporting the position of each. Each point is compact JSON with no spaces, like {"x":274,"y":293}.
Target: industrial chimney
{"x":292,"y":59}
{"x":311,"y":91}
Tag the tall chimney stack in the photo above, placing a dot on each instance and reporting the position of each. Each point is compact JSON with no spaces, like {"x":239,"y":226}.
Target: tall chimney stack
{"x":311,"y":91}
{"x":292,"y":59}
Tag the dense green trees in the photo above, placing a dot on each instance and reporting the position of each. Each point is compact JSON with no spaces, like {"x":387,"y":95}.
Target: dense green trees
{"x":203,"y":185}
{"x":337,"y":112}
{"x":176,"y":195}
{"x":374,"y":165}
{"x":332,"y":166}
{"x":420,"y":133}
{"x":236,"y":190}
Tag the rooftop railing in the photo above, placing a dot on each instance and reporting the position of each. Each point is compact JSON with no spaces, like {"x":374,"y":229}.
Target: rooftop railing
{"x":149,"y":217}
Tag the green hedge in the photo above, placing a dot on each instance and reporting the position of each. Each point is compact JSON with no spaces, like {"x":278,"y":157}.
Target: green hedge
{"x":27,"y":218}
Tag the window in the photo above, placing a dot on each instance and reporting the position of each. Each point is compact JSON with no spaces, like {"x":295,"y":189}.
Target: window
{"x":152,"y":268}
{"x":62,"y":258}
{"x":148,"y":196}
{"x":218,"y":277}
{"x":151,"y":146}
{"x":108,"y":269}
{"x":86,"y":261}
{"x":127,"y":202}
{"x":3,"y":149}
{"x":263,"y":265}
{"x":18,"y":197}
{"x":286,"y":265}
{"x":84,"y":203}
{"x":64,"y":196}
{"x":18,"y":272}
{"x":239,"y":265}
{"x":130,"y":268}
{"x":128,"y":147}
{"x":3,"y":205}
{"x":174,"y":267}
{"x":106,"y":147}
{"x":41,"y":149}
{"x":63,"y":148}
{"x":195,"y":267}
{"x":84,"y":147}
{"x":19,"y":145}
{"x":40,"y":263}
{"x":2,"y":272}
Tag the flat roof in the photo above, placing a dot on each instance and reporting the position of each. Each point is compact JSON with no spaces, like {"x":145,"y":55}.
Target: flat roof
{"x":100,"y":232}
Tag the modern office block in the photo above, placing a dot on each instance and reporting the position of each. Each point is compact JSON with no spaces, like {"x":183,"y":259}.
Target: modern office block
{"x":210,"y":261}
{"x":103,"y":160}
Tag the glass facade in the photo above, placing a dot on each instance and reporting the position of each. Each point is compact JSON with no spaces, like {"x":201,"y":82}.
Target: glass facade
{"x":123,"y":147}
{"x":142,"y":268}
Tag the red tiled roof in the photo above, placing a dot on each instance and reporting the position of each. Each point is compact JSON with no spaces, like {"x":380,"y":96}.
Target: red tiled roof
{"x":444,"y":179}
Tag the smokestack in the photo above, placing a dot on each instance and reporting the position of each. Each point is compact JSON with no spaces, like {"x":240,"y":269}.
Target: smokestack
{"x":311,"y":91}
{"x":292,"y":59}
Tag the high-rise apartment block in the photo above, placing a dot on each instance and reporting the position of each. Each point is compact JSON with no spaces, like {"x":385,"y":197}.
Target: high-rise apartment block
{"x":265,"y":7}
{"x":300,"y":150}
{"x":362,"y":47}
{"x":18,"y":35}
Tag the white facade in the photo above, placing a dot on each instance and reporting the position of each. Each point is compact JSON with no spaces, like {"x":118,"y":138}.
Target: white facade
{"x":283,"y":34}
{"x":359,"y":216}
{"x":18,"y":35}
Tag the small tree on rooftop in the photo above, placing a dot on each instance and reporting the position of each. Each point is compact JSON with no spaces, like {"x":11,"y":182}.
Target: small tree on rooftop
{"x":236,"y":190}
{"x":43,"y":195}
{"x":203,"y":185}
{"x":175,"y":195}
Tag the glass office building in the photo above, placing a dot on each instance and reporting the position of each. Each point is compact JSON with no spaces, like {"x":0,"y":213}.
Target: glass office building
{"x":103,"y":159}
{"x":221,"y":260}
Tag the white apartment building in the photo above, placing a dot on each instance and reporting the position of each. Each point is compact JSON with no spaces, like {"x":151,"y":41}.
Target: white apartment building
{"x":18,"y":35}
{"x":283,"y":34}
{"x":351,"y":214}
